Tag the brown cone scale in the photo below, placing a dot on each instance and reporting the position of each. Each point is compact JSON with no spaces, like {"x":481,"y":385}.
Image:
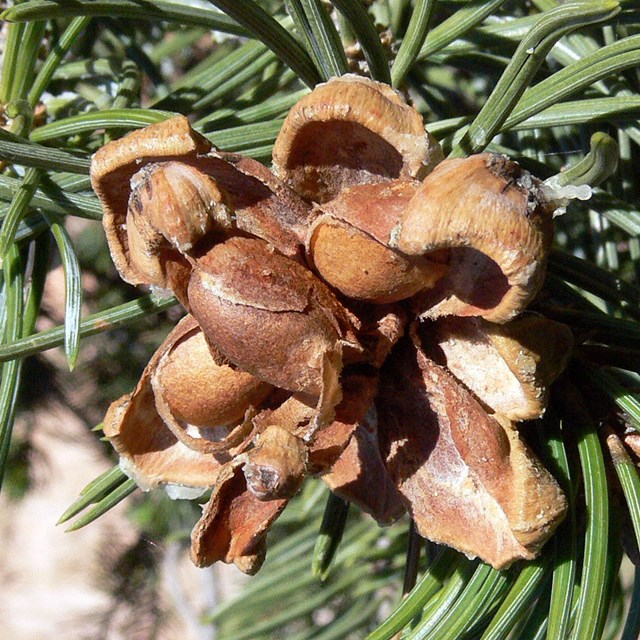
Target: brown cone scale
{"x":487,"y":219}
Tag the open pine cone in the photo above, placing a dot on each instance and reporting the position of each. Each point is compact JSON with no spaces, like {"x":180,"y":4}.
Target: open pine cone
{"x":358,"y":314}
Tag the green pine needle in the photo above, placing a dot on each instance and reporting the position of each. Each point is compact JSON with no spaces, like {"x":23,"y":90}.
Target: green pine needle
{"x":329,"y":536}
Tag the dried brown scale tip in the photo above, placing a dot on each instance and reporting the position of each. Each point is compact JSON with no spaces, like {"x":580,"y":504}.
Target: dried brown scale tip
{"x":348,"y":453}
{"x":509,"y":367}
{"x":264,"y":206}
{"x":350,"y":130}
{"x":152,"y":214}
{"x":467,"y":479}
{"x":277,"y":465}
{"x":113,"y":166}
{"x":234,"y":524}
{"x":358,"y":392}
{"x":378,"y":328}
{"x":348,"y":245}
{"x":487,"y":219}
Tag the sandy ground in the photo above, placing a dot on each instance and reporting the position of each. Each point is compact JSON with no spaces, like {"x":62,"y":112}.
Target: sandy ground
{"x":49,"y":576}
{"x":53,"y":582}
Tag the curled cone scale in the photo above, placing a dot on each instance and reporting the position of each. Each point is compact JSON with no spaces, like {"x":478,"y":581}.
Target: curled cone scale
{"x":173,"y":207}
{"x":150,"y":453}
{"x":347,"y":131}
{"x":466,"y":477}
{"x":185,"y":405}
{"x":509,"y":367}
{"x":488,"y":221}
{"x":358,"y":392}
{"x":358,"y":473}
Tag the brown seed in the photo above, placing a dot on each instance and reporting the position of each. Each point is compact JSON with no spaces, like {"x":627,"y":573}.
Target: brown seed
{"x":348,"y":245}
{"x":201,"y":390}
{"x":269,"y":315}
{"x":173,"y":207}
{"x":182,"y":203}
{"x":185,"y":405}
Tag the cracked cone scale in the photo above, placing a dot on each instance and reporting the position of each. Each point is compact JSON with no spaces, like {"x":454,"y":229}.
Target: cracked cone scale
{"x":332,"y":308}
